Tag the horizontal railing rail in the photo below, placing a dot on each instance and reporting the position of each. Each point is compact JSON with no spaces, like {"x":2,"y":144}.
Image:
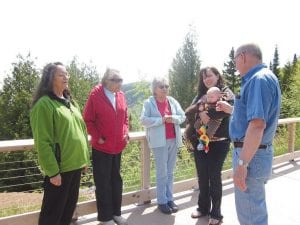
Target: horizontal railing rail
{"x":146,"y":193}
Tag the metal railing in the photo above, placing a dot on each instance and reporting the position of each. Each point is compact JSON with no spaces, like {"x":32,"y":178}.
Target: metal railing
{"x":147,"y":189}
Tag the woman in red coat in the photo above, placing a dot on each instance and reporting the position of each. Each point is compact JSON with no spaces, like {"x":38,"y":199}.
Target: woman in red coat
{"x":105,"y":115}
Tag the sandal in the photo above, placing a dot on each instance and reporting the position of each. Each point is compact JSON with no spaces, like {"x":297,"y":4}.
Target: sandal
{"x":213,"y":221}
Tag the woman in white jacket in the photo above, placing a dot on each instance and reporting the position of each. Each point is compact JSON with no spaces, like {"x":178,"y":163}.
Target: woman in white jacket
{"x":162,"y":115}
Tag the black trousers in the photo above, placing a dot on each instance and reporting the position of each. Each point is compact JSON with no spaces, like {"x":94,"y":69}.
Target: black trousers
{"x":209,"y":166}
{"x":59,"y":202}
{"x":109,"y":184}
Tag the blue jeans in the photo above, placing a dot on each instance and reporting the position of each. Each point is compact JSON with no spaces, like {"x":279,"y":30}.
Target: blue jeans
{"x":251,"y":205}
{"x":165,"y":160}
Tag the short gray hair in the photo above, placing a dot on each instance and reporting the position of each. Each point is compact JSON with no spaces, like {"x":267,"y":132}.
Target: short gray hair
{"x":108,"y":74}
{"x":250,"y":48}
{"x":157,"y":81}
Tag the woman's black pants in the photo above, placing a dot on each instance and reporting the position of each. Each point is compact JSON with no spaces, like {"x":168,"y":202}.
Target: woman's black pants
{"x":59,"y":202}
{"x":109,"y":184}
{"x":209,"y":166}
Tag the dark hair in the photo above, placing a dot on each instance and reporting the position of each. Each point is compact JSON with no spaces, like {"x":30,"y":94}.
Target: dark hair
{"x":45,"y":87}
{"x":202,"y":89}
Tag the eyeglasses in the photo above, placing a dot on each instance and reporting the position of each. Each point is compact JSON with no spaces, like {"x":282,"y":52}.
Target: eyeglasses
{"x":116,"y":80}
{"x":163,"y":86}
{"x":237,"y":55}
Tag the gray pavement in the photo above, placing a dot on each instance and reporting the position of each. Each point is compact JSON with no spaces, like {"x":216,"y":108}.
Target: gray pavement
{"x":283,"y":199}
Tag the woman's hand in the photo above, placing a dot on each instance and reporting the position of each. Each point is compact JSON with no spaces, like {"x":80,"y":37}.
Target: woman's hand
{"x":85,"y":169}
{"x":56,"y":181}
{"x":167,"y":119}
{"x":126,"y":138}
{"x":204,"y":117}
{"x":224,"y":106}
{"x":101,"y":140}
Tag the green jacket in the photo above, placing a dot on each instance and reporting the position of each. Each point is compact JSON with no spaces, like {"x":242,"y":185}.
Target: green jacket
{"x":60,"y":136}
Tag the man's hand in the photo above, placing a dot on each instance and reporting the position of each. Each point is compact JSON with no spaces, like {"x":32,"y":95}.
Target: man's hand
{"x":239,"y":177}
{"x":224,"y":106}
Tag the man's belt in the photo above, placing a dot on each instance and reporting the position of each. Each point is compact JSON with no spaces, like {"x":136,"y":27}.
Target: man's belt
{"x":239,"y":144}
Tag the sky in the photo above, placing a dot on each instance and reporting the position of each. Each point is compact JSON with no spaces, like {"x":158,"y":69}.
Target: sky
{"x":140,"y":38}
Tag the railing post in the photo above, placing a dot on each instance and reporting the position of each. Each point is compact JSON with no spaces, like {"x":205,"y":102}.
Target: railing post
{"x":291,"y":138}
{"x":145,"y":168}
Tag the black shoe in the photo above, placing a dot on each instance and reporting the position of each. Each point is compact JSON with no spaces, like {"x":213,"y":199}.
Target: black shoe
{"x":173,"y":206}
{"x":164,"y":208}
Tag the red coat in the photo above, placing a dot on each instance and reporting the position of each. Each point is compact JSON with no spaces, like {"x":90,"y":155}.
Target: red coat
{"x":102,"y":120}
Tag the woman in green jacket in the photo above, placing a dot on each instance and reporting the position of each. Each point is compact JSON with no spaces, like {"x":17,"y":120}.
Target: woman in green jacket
{"x":60,"y":138}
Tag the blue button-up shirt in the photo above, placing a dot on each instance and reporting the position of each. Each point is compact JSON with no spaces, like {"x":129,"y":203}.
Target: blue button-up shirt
{"x":259,"y":98}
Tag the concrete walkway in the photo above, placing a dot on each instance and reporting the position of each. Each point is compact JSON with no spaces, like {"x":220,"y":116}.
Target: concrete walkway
{"x":283,"y":199}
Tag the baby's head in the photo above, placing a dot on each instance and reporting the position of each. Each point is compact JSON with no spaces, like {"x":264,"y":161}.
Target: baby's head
{"x":213,"y":95}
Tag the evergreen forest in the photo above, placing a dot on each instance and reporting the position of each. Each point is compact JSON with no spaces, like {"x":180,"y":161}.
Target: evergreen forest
{"x":20,"y":83}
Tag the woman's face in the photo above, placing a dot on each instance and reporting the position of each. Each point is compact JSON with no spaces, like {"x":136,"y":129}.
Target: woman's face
{"x":210,"y":79}
{"x":60,"y":79}
{"x":114,"y":82}
{"x":162,"y":89}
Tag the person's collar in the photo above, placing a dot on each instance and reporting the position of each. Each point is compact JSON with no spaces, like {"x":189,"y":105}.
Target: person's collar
{"x":108,"y":91}
{"x":252,"y":71}
{"x":65,"y":101}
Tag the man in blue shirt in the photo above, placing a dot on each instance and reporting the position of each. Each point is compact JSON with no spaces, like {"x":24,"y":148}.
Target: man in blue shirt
{"x":252,"y":128}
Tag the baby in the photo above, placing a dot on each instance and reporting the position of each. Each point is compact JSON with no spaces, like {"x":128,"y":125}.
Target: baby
{"x":213,"y":95}
{"x":204,"y":133}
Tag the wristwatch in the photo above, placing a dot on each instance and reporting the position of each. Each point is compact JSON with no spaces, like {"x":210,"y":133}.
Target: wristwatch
{"x":243,"y":163}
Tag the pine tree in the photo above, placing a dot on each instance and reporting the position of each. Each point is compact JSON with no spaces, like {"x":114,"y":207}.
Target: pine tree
{"x":290,"y":90}
{"x":233,"y":81}
{"x":275,"y":66}
{"x":287,"y":77}
{"x":15,"y":99}
{"x":183,"y":75}
{"x":83,"y":78}
{"x":15,"y":103}
{"x":295,"y":59}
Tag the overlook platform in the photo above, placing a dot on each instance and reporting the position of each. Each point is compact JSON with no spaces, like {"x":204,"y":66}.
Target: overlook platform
{"x":283,"y":200}
{"x":282,"y":190}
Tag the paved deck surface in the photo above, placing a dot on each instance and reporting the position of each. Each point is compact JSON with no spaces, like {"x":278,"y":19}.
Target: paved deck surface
{"x":283,"y":199}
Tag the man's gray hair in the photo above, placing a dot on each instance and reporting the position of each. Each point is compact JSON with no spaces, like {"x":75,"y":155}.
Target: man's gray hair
{"x":250,"y":48}
{"x":157,"y":81}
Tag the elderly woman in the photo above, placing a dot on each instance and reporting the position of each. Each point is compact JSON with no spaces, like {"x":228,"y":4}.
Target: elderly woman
{"x":162,"y":116}
{"x":60,"y":138}
{"x":106,"y":118}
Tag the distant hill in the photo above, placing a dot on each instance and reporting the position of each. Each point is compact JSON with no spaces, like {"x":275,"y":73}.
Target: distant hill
{"x":131,"y":94}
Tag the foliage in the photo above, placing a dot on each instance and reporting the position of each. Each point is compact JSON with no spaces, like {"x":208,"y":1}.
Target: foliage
{"x":290,"y":83}
{"x":232,"y":80}
{"x":15,"y":99}
{"x":135,"y":94}
{"x":275,"y":65}
{"x":82,"y":79}
{"x":184,"y":71}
